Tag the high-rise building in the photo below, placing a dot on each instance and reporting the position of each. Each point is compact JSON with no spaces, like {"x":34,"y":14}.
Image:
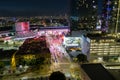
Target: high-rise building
{"x":76,"y":6}
{"x":99,"y":7}
{"x":109,"y":14}
{"x":83,"y":14}
{"x":82,"y":7}
{"x":105,"y":8}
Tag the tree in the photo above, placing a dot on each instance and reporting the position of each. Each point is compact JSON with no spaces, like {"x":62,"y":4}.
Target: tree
{"x":57,"y":76}
{"x":37,"y":63}
{"x":2,"y":65}
{"x":82,"y":58}
{"x":40,"y":60}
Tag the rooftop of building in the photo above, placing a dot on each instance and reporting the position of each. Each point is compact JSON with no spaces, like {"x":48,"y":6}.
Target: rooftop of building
{"x":97,"y":72}
{"x":100,"y":36}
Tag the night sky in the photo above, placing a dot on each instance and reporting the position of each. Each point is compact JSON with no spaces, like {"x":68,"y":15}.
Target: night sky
{"x":33,"y":7}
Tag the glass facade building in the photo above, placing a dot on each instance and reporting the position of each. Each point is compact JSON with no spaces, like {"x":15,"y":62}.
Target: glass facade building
{"x":104,"y":47}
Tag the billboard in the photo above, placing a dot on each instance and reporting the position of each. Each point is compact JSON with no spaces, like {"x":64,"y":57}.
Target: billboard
{"x":22,"y":26}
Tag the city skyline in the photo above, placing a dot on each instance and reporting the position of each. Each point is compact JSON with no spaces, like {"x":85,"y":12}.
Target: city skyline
{"x":79,"y":38}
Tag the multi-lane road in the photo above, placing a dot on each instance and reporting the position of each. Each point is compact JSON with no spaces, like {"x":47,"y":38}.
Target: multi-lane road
{"x":61,"y":60}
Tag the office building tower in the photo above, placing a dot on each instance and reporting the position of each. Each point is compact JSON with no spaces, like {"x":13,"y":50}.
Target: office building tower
{"x":83,"y":14}
{"x":82,"y":7}
{"x":106,"y":16}
{"x":109,"y":16}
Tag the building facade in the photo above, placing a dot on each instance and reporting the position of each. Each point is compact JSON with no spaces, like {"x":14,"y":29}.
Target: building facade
{"x":83,"y":14}
{"x":109,"y":14}
{"x":107,"y":48}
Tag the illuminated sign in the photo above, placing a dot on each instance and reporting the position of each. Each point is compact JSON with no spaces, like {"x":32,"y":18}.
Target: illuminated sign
{"x":22,"y":26}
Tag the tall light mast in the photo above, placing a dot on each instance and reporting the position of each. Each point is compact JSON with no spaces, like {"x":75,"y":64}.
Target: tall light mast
{"x":118,"y":14}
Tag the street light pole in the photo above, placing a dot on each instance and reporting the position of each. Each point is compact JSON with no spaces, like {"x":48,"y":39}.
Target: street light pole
{"x":118,"y":15}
